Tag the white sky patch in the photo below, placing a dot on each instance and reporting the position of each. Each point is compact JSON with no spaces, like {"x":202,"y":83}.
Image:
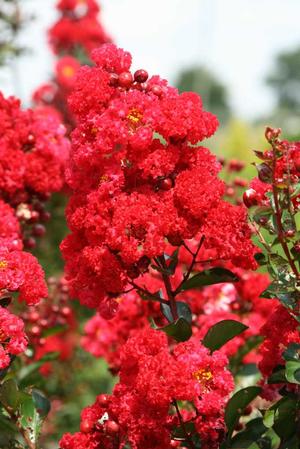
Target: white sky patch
{"x":236,"y":39}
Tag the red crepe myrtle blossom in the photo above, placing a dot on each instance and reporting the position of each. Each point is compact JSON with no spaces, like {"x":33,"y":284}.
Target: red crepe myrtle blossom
{"x":21,"y":272}
{"x":78,"y":28}
{"x":33,"y":151}
{"x":66,"y":69}
{"x":13,"y":340}
{"x":143,"y":407}
{"x":138,"y":179}
{"x":10,"y":230}
{"x":279,"y":331}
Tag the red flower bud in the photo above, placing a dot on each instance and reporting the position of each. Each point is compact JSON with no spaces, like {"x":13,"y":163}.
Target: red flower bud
{"x":38,"y":230}
{"x":86,"y":426}
{"x":250,"y":198}
{"x":141,"y":76}
{"x":111,"y":427}
{"x":125,"y":79}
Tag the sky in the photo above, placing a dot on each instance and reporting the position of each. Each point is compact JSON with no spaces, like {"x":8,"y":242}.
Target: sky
{"x":236,"y":39}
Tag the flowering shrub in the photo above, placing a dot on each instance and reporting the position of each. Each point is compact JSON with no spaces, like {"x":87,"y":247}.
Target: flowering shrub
{"x":154,"y":185}
{"x":162,"y":251}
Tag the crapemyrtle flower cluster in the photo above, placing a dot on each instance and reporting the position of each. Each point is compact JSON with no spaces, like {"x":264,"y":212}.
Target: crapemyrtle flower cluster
{"x":13,"y":340}
{"x":140,"y":180}
{"x":78,"y":27}
{"x":19,"y":270}
{"x":231,"y":301}
{"x":143,"y":409}
{"x":279,"y":331}
{"x":33,"y":151}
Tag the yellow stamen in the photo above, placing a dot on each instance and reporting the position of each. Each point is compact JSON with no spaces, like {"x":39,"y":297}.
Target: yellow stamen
{"x":3,"y":264}
{"x":134,"y":116}
{"x":203,"y":376}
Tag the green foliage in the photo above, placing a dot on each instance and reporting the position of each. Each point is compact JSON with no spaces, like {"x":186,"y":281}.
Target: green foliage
{"x":219,"y":334}
{"x":211,"y":276}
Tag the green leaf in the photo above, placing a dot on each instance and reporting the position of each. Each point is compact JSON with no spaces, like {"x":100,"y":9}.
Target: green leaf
{"x":174,"y":262}
{"x":254,"y":430}
{"x":180,"y":330}
{"x":237,"y":404}
{"x":292,"y":352}
{"x":9,"y":394}
{"x":279,"y":265}
{"x":291,"y":443}
{"x":183,"y":311}
{"x":29,"y":418}
{"x":219,"y":334}
{"x":260,"y":259}
{"x":278,"y":376}
{"x":269,"y":418}
{"x":292,"y":372}
{"x":180,"y":433}
{"x":212,"y":276}
{"x":41,"y":403}
{"x":285,"y":417}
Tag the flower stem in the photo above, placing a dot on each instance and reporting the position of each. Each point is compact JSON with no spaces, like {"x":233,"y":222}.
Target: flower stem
{"x":182,"y":425}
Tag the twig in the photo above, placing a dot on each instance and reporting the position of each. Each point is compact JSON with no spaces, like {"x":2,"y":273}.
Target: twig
{"x":182,"y":424}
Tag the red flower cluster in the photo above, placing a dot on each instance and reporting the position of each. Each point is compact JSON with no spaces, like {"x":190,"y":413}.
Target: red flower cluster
{"x":12,"y":337}
{"x":33,"y":151}
{"x":78,"y":27}
{"x":19,"y":271}
{"x":238,"y":301}
{"x":140,"y":179}
{"x":279,"y":331}
{"x":143,"y":407}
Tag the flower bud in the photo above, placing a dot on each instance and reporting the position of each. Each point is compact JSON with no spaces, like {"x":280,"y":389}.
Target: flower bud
{"x":250,"y":198}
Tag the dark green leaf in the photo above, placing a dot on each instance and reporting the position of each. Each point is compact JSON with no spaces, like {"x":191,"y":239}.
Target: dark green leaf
{"x":183,"y":311}
{"x":278,"y":376}
{"x":285,"y":417}
{"x":237,"y":404}
{"x":221,"y":333}
{"x":291,"y":443}
{"x":180,"y":330}
{"x":41,"y":403}
{"x":260,"y":259}
{"x":209,"y":277}
{"x":179,"y":432}
{"x":173,"y":262}
{"x":292,"y":352}
{"x":254,"y":430}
